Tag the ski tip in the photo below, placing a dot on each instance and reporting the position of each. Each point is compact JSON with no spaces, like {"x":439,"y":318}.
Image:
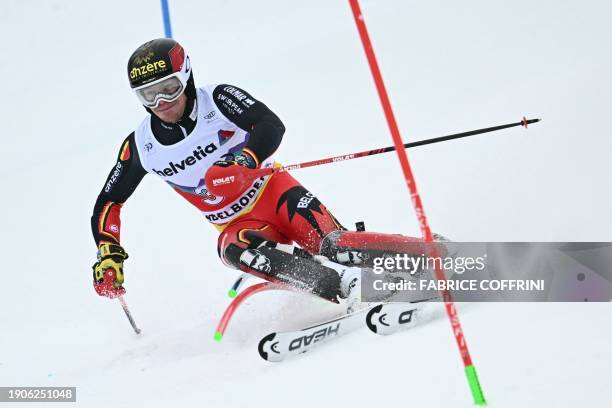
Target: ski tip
{"x":232,"y":293}
{"x":218,"y":336}
{"x":262,"y":343}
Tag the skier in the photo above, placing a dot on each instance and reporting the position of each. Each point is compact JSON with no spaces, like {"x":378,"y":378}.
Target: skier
{"x":209,"y":144}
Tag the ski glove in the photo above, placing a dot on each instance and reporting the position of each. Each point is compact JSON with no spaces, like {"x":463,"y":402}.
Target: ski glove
{"x":230,"y":178}
{"x":108,"y":271}
{"x":241,"y":159}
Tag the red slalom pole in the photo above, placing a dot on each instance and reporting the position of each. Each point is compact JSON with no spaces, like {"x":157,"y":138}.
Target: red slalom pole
{"x":237,"y":301}
{"x":451,"y":311}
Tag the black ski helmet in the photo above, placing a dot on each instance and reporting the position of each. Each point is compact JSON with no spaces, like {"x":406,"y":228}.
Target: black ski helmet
{"x":158,"y":59}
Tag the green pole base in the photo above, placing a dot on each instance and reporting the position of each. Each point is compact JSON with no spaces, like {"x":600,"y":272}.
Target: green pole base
{"x":218,"y":336}
{"x":479,"y":399}
{"x":232,"y":293}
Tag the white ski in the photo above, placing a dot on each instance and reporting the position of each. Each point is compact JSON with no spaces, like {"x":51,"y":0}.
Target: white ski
{"x":386,"y":318}
{"x":277,"y":346}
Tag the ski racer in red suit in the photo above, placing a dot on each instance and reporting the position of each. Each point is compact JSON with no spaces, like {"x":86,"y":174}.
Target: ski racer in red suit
{"x":208,"y":144}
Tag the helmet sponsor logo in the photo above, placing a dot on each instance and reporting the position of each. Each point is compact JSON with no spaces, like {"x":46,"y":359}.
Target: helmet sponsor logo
{"x":148,"y":69}
{"x":143,"y":59}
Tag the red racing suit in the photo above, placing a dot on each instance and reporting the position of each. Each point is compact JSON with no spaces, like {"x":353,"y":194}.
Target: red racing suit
{"x":220,"y":122}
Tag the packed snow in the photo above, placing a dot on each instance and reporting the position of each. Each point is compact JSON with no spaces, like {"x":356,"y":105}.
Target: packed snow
{"x":449,"y":67}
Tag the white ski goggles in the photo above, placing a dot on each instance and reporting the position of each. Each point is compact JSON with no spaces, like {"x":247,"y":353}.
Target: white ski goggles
{"x":166,"y":89}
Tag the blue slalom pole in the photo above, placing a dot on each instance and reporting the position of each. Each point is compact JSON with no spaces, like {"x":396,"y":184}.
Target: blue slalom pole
{"x":166,"y":17}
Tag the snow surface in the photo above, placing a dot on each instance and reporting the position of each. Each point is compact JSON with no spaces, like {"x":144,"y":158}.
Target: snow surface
{"x":449,"y":66}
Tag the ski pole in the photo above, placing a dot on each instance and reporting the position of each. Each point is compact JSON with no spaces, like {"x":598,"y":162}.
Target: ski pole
{"x":128,"y":314}
{"x":524,"y":122}
{"x":344,"y":157}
